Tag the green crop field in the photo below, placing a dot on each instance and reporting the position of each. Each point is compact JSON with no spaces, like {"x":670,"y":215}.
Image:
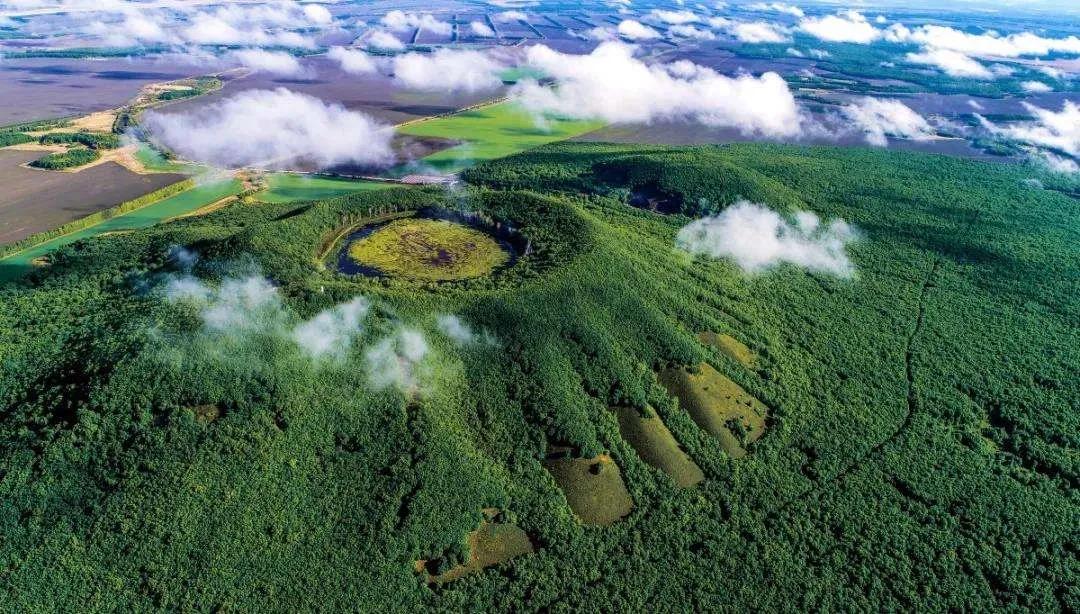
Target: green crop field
{"x":200,"y":415}
{"x":154,"y":161}
{"x":491,"y":131}
{"x":292,"y":187}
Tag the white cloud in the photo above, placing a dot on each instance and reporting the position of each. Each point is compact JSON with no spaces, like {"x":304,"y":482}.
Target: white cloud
{"x":1053,"y":130}
{"x":480,"y":28}
{"x":878,"y":118}
{"x":953,"y":63}
{"x":448,"y":70}
{"x":237,"y":306}
{"x":778,"y":7}
{"x":751,"y":32}
{"x":331,"y":333}
{"x":673,"y":17}
{"x":273,"y":62}
{"x":694,"y":32}
{"x":844,"y":27}
{"x":400,"y":21}
{"x":242,"y":307}
{"x":318,"y":14}
{"x":986,"y":44}
{"x":183,"y":24}
{"x":353,"y":61}
{"x":757,"y":239}
{"x":635,"y":30}
{"x":601,"y":33}
{"x":254,"y":24}
{"x":611,"y":84}
{"x":460,"y":332}
{"x":273,"y":129}
{"x":1036,"y":87}
{"x":397,"y":361}
{"x":381,"y":39}
{"x":506,"y":16}
{"x":1057,"y":164}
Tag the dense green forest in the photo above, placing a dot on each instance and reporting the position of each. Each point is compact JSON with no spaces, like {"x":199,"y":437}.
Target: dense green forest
{"x":74,"y":157}
{"x":165,"y":441}
{"x":93,"y":140}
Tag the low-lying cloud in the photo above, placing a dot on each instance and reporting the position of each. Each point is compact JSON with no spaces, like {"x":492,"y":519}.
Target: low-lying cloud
{"x":777,"y":7}
{"x":353,"y":61}
{"x":236,"y":306}
{"x":448,"y":70}
{"x":635,"y":30}
{"x":843,"y":27}
{"x":1053,"y":136}
{"x":460,"y":332}
{"x":613,"y":85}
{"x":273,"y":129}
{"x":248,"y":309}
{"x":277,"y":63}
{"x":986,"y":44}
{"x":751,"y":31}
{"x":331,"y":332}
{"x":397,"y":361}
{"x":400,"y":21}
{"x":953,"y":63}
{"x":381,"y":39}
{"x":879,"y":119}
{"x":757,"y":238}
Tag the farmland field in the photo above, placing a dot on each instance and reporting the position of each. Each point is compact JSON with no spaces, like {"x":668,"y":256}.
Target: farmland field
{"x":36,"y":200}
{"x":291,"y":187}
{"x":187,"y":201}
{"x":491,"y":131}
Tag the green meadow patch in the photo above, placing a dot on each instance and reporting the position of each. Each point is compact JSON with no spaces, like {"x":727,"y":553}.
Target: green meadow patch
{"x":718,"y":405}
{"x":729,"y":346}
{"x":655,"y":444}
{"x":492,"y":131}
{"x":593,"y":488}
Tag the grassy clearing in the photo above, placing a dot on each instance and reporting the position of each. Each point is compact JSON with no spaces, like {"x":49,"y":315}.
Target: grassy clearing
{"x":429,"y":250}
{"x":154,"y":161}
{"x":22,"y":262}
{"x":655,"y":444}
{"x":718,"y":405}
{"x":292,"y":187}
{"x":729,"y":346}
{"x":491,"y":544}
{"x":493,"y":131}
{"x":593,"y":487}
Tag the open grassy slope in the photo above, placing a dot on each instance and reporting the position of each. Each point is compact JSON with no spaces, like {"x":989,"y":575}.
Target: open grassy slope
{"x":920,"y":449}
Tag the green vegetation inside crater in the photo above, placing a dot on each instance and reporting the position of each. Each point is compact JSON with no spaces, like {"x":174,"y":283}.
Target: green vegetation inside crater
{"x":920,"y":451}
{"x":429,"y":250}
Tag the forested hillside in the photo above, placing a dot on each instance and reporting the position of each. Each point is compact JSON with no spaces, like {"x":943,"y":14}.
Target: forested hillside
{"x":206,"y":414}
